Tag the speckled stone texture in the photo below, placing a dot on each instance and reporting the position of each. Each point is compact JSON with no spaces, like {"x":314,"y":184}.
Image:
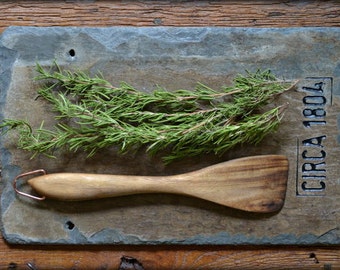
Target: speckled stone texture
{"x":178,"y":58}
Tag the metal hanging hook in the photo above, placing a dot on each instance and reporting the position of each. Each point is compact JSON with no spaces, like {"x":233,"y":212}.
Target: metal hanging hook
{"x":40,"y":171}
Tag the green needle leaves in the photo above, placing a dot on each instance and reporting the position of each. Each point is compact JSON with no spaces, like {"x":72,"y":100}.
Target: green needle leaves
{"x":92,"y":114}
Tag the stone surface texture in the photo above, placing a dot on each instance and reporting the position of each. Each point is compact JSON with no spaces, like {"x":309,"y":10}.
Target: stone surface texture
{"x":176,"y":57}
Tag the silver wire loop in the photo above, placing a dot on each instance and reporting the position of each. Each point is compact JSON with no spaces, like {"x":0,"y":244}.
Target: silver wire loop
{"x":40,"y":171}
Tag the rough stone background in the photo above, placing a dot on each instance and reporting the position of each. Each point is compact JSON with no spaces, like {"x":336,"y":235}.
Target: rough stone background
{"x":174,"y":58}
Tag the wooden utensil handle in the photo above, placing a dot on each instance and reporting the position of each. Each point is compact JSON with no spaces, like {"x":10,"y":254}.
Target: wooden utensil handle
{"x":80,"y":186}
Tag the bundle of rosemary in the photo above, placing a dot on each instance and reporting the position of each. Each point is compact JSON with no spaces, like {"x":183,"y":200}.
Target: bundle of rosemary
{"x":93,"y":114}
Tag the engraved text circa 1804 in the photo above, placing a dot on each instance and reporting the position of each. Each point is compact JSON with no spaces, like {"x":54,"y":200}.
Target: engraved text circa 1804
{"x":312,"y":168}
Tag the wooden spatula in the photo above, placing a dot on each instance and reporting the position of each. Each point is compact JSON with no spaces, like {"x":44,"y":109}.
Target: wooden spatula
{"x":256,"y":184}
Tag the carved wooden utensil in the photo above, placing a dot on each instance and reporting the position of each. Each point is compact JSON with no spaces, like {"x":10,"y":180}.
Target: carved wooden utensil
{"x":256,"y":184}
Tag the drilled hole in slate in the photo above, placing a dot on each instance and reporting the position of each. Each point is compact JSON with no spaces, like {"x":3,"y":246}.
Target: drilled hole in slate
{"x":72,"y":53}
{"x":69,"y":225}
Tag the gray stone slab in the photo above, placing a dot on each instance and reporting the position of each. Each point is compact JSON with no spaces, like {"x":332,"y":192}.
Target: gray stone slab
{"x":177,"y":57}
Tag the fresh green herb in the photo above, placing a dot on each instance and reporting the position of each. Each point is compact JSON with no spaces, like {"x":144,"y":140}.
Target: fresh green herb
{"x":92,"y":114}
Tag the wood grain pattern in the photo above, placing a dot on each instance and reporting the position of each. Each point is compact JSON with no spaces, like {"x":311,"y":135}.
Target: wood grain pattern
{"x":172,"y":258}
{"x":254,"y":184}
{"x":169,"y":13}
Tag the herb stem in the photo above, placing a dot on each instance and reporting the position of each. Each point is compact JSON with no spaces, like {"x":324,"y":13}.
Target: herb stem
{"x":92,"y":114}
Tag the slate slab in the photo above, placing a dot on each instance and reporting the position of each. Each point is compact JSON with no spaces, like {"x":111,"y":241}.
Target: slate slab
{"x":178,"y":57}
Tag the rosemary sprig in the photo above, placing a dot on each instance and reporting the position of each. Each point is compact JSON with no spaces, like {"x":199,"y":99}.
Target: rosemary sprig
{"x":92,"y":114}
